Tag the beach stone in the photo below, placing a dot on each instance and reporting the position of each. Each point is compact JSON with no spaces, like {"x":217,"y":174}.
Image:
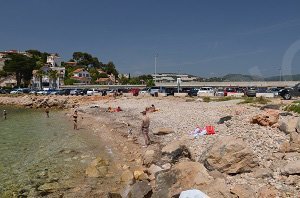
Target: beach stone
{"x":141,"y":189}
{"x":262,"y":173}
{"x":288,"y":126}
{"x":166,"y":166}
{"x":182,"y":176}
{"x":151,"y":156}
{"x":163,"y":131}
{"x":229,"y":155}
{"x":140,"y":175}
{"x":267,"y":192}
{"x":217,"y":189}
{"x":114,"y":195}
{"x":153,"y":169}
{"x":224,"y":119}
{"x":174,"y":151}
{"x":97,"y":168}
{"x":291,"y":168}
{"x":243,"y":191}
{"x":294,"y":142}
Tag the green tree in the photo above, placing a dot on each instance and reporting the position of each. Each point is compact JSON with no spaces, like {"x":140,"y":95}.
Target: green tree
{"x":21,"y":65}
{"x":53,"y":75}
{"x":40,"y":73}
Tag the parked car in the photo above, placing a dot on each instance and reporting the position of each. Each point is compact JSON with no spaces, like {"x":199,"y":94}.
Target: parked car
{"x":145,"y":90}
{"x":134,"y":91}
{"x":193,"y":92}
{"x":205,"y":90}
{"x":288,"y":93}
{"x":274,"y":90}
{"x":170,"y":91}
{"x":2,"y":91}
{"x":17,"y":91}
{"x":91,"y":92}
{"x":251,"y":91}
{"x":229,"y":90}
{"x":76,"y":92}
{"x":154,"y":90}
{"x":219,"y":92}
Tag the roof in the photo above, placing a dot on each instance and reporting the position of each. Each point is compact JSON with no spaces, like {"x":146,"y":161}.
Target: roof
{"x":81,"y":78}
{"x":103,"y":79}
{"x":78,"y":70}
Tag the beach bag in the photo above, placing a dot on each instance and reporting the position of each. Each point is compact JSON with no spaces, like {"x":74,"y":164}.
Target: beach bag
{"x":210,"y":130}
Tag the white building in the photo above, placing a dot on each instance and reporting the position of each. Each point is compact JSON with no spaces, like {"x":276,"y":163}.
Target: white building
{"x":82,"y":76}
{"x":54,"y":60}
{"x":172,"y":77}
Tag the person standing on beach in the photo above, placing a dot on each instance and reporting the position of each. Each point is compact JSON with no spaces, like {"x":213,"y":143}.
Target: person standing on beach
{"x":4,"y":114}
{"x":47,"y":111}
{"x":145,"y":128}
{"x":75,"y":119}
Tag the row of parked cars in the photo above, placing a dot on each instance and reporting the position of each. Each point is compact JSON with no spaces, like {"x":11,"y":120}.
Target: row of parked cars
{"x":286,"y":93}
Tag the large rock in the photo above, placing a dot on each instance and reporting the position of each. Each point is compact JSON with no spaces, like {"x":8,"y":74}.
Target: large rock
{"x":163,"y":131}
{"x":293,"y":145}
{"x":153,"y":169}
{"x":292,"y":168}
{"x":288,"y":126}
{"x":97,"y":168}
{"x":182,"y":176}
{"x":229,"y":155}
{"x":268,"y":192}
{"x":151,"y":156}
{"x":140,"y":189}
{"x":268,"y":118}
{"x":175,"y":151}
{"x":243,"y":191}
{"x":298,"y":126}
{"x":127,"y":177}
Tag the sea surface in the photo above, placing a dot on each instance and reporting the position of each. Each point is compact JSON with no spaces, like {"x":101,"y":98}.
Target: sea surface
{"x":39,"y":153}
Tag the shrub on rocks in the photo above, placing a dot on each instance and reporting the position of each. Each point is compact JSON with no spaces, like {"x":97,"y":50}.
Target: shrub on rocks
{"x":229,"y":155}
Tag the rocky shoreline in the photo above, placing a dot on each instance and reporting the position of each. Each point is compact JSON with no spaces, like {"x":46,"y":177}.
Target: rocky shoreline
{"x":242,"y":159}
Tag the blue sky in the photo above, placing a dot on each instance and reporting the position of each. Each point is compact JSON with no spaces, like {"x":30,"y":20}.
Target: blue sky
{"x":204,"y":38}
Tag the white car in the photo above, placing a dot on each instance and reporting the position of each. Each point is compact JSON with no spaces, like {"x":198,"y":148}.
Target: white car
{"x":91,"y":92}
{"x":143,"y":91}
{"x":205,"y":90}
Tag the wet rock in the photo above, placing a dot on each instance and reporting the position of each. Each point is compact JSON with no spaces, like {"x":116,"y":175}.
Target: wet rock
{"x":140,"y":189}
{"x":291,"y":168}
{"x":127,"y":177}
{"x":163,"y":131}
{"x":268,"y":118}
{"x":182,"y":176}
{"x":243,"y":191}
{"x":288,"y":126}
{"x":229,"y":155}
{"x":174,"y":151}
{"x":267,"y":192}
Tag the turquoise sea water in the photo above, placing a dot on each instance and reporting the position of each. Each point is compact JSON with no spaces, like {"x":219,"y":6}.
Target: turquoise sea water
{"x":35,"y":150}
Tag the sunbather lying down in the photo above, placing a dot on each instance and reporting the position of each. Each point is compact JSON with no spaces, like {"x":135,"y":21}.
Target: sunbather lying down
{"x":151,"y":108}
{"x":118,"y":109}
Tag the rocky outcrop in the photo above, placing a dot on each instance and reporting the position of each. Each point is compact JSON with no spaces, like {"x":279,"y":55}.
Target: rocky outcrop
{"x":98,"y":168}
{"x":140,"y":189}
{"x":182,"y":176}
{"x":151,"y":156}
{"x":268,"y":192}
{"x":229,"y":155}
{"x":243,"y":191}
{"x":268,"y":118}
{"x":175,"y":151}
{"x":288,"y":126}
{"x":293,"y":145}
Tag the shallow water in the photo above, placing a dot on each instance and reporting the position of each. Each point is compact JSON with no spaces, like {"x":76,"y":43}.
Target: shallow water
{"x":35,"y":150}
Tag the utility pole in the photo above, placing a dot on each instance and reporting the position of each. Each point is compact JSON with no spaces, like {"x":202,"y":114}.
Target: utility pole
{"x":155,"y":62}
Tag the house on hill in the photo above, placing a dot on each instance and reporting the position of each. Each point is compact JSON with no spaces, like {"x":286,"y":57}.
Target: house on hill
{"x":82,"y":76}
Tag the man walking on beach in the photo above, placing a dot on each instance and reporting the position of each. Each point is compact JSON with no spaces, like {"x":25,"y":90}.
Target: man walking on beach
{"x":145,"y":128}
{"x":4,"y":114}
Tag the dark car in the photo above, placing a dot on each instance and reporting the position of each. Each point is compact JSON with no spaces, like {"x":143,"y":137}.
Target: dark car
{"x":251,"y":92}
{"x":2,"y":91}
{"x":193,"y":92}
{"x":288,"y":93}
{"x":170,"y":91}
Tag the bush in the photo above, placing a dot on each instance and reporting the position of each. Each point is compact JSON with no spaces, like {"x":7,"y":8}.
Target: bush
{"x":259,"y":100}
{"x":206,"y":99}
{"x":294,"y":107}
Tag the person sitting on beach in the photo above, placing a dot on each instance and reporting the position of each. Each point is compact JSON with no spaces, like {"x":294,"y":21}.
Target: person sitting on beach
{"x":109,"y":109}
{"x":4,"y":114}
{"x":151,"y":108}
{"x":118,"y":109}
